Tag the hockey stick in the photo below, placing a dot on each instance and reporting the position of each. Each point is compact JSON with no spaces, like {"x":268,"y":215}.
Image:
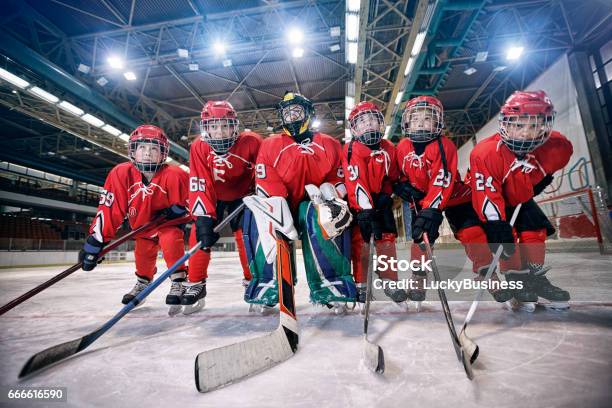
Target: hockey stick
{"x":57,"y":353}
{"x":462,"y":355}
{"x":373,"y":355}
{"x":224,"y":365}
{"x":468,"y":344}
{"x":74,"y":268}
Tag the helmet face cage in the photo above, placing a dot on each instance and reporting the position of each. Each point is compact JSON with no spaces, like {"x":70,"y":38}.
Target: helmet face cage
{"x":368,"y":127}
{"x":422,"y":122}
{"x":148,"y":167}
{"x":219,"y":134}
{"x":524,"y":133}
{"x":294,"y":118}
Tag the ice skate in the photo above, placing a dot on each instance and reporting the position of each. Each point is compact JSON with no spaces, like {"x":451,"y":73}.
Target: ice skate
{"x":524,"y":299}
{"x":549,"y":296}
{"x":193,"y":299}
{"x":417,"y":291}
{"x":141,"y":284}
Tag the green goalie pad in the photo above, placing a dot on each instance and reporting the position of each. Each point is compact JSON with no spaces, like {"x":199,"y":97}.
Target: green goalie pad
{"x":327,"y":262}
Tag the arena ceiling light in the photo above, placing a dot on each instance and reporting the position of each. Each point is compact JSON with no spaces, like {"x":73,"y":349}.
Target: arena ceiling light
{"x":227,"y":63}
{"x":409,"y":66}
{"x":115,"y":62}
{"x":351,"y":54}
{"x":334,"y":31}
{"x":387,"y":130}
{"x":418,"y":43}
{"x":125,"y":137}
{"x":92,"y":120}
{"x":44,"y":95}
{"x":112,"y":130}
{"x":194,"y":66}
{"x":298,"y":52}
{"x":514,"y":53}
{"x":295,"y":36}
{"x":219,"y":47}
{"x":352,"y":26}
{"x":182,"y":53}
{"x":129,"y":75}
{"x":353,"y":5}
{"x":398,"y":98}
{"x":316,"y":124}
{"x":334,"y":47}
{"x":70,"y":108}
{"x":470,"y":71}
{"x":13,"y":79}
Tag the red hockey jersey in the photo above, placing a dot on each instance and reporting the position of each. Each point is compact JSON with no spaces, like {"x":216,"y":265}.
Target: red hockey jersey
{"x":500,"y":179}
{"x":125,"y":194}
{"x":285,"y":167}
{"x":426,"y":172}
{"x":225,"y":177}
{"x":368,"y":172}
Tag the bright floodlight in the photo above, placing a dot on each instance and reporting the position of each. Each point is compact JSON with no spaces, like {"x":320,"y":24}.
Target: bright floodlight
{"x":316,"y":123}
{"x":514,"y":53}
{"x":129,"y":75}
{"x":68,"y":107}
{"x":112,"y":130}
{"x":125,"y":137}
{"x":92,"y":120}
{"x":295,"y":36}
{"x":353,"y":5}
{"x":219,"y":47}
{"x":44,"y":95}
{"x":298,"y":52}
{"x":351,"y":55}
{"x":13,"y":79}
{"x":352,"y":27}
{"x":115,"y":62}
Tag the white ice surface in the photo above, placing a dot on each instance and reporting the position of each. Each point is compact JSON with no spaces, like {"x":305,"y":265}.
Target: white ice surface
{"x":547,"y":359}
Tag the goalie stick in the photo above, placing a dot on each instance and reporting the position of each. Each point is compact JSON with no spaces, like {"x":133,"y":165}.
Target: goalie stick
{"x":62,"y":351}
{"x":373,"y":355}
{"x":468,"y":344}
{"x":222,"y":366}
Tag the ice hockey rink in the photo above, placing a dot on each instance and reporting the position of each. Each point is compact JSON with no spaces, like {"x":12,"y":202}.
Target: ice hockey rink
{"x":560,"y":359}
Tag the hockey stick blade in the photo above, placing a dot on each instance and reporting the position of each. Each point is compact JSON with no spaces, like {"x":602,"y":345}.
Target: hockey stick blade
{"x":222,"y":366}
{"x":373,"y":355}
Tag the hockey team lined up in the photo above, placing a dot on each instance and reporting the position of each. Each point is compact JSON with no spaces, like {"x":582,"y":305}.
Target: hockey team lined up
{"x":339,"y":196}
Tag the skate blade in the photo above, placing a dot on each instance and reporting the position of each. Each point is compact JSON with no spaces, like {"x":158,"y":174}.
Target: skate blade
{"x":418,"y":306}
{"x":196,"y":307}
{"x":514,"y":305}
{"x":173,"y":310}
{"x":403,"y":306}
{"x":263,"y":310}
{"x":361,"y":308}
{"x":556,"y":306}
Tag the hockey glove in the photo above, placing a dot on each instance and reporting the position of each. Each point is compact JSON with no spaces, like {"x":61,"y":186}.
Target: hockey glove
{"x":407,"y":192}
{"x":173,"y":212}
{"x":428,"y":220}
{"x":90,"y":254}
{"x":545,"y":182}
{"x":368,"y":225}
{"x":500,"y":233}
{"x":205,"y":232}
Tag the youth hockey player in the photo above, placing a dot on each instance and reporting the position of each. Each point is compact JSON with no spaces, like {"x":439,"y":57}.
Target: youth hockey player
{"x":431,"y":184}
{"x":370,"y":169}
{"x":222,"y":172}
{"x":512,"y":167}
{"x":287,"y":164}
{"x":142,"y":189}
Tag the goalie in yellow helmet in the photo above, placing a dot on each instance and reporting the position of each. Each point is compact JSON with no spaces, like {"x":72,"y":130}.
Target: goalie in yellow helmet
{"x":296,"y":113}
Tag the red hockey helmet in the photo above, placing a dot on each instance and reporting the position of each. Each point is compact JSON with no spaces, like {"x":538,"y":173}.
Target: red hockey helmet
{"x":219,"y":125}
{"x":367,"y":123}
{"x":154,"y":137}
{"x":423,"y":119}
{"x":526,"y":120}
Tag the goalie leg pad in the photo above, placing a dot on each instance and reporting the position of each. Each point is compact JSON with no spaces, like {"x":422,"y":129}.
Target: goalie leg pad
{"x":263,"y":288}
{"x":327,"y":262}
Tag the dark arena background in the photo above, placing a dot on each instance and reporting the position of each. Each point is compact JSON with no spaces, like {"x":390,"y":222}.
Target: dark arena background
{"x":77,"y":80}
